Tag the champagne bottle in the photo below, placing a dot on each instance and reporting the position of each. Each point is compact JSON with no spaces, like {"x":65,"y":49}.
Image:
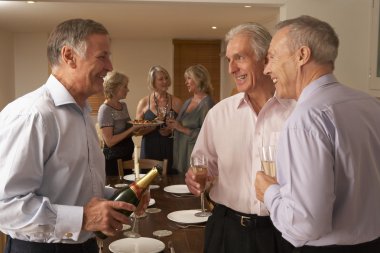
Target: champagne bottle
{"x":132,"y":194}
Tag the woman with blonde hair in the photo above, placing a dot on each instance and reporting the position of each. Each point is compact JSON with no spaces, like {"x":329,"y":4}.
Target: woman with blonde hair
{"x":113,"y":118}
{"x":156,"y":142}
{"x":190,"y":118}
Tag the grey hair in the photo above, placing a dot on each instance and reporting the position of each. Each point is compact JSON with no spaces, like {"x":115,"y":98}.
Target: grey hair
{"x":260,"y":38}
{"x":72,"y":33}
{"x":152,"y":76}
{"x":112,"y":81}
{"x":318,"y":35}
{"x":201,"y":76}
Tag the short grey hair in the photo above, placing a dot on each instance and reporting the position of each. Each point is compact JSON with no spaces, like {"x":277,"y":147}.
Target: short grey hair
{"x":112,"y":81}
{"x":318,"y":35}
{"x":152,"y":76}
{"x":201,"y":76}
{"x":72,"y":33}
{"x":260,"y":38}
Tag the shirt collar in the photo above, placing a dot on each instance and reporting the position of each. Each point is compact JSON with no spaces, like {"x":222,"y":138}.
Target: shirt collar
{"x":60,"y":95}
{"x":243,"y":99}
{"x":284,"y":102}
{"x":314,"y":85}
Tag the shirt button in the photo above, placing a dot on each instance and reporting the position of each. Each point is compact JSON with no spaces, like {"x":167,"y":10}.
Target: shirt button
{"x":68,"y":235}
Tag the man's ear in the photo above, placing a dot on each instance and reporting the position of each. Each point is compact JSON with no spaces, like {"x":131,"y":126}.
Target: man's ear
{"x":303,"y":55}
{"x":68,"y":56}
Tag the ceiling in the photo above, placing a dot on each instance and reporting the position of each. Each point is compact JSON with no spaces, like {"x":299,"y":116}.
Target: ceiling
{"x":139,"y":19}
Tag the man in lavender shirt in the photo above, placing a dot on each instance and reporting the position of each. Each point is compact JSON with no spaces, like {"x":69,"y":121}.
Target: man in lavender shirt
{"x":328,"y":164}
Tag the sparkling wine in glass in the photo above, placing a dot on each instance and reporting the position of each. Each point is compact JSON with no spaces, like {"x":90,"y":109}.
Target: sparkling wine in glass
{"x":161,"y":112}
{"x":268,"y":156}
{"x":199,"y":168}
{"x":171,"y":115}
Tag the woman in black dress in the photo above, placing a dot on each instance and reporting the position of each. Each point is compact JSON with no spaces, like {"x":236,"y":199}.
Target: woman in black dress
{"x":156,"y":142}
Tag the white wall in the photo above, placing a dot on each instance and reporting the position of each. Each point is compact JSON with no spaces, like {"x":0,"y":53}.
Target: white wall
{"x":31,"y":66}
{"x":350,"y":18}
{"x":6,"y":68}
{"x":134,"y":58}
{"x":351,"y":21}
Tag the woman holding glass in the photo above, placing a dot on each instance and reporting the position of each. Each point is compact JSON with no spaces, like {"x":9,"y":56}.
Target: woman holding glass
{"x":156,"y":142}
{"x":190,"y":118}
{"x":113,"y":120}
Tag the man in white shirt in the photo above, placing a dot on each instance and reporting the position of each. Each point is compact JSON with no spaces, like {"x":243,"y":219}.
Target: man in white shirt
{"x":326,"y":199}
{"x":231,"y":135}
{"x":52,"y":176}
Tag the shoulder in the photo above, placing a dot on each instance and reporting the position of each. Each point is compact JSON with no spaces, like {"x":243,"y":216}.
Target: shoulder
{"x":176,"y":102}
{"x":144,"y":100}
{"x":143,"y":103}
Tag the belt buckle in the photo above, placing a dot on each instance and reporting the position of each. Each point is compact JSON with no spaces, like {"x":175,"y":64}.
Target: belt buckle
{"x":244,"y":220}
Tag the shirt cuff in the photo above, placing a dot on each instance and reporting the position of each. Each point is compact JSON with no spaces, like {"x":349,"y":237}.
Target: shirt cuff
{"x":270,"y":194}
{"x":69,"y":222}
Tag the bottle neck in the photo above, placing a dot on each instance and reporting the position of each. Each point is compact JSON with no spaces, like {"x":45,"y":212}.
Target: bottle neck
{"x":147,"y":179}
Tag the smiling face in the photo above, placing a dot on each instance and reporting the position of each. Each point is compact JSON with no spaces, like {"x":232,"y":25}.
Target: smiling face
{"x":282,"y":65}
{"x":94,"y":65}
{"x":161,"y":81}
{"x":243,"y":66}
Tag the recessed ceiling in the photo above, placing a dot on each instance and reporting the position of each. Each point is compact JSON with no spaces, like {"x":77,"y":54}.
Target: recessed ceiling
{"x":137,"y":19}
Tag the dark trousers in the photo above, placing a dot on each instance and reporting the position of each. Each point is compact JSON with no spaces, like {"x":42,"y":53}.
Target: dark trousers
{"x":228,"y":231}
{"x":367,"y":247}
{"x":19,"y":246}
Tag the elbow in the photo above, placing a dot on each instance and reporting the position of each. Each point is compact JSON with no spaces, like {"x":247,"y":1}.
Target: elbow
{"x":109,"y":144}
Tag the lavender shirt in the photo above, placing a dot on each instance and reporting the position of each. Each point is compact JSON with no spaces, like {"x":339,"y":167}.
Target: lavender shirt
{"x":328,"y":167}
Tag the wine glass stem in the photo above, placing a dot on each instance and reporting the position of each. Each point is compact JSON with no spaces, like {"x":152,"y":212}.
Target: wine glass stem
{"x":203,"y":202}
{"x":134,"y":224}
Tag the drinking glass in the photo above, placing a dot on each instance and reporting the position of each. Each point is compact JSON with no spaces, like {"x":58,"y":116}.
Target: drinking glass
{"x":161,"y":112}
{"x":198,"y":166}
{"x":171,"y":115}
{"x":134,"y":232}
{"x":267,"y":157}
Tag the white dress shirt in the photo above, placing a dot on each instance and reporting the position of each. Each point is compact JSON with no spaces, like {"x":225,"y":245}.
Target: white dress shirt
{"x":230,"y":137}
{"x":328,"y":168}
{"x":50,"y":167}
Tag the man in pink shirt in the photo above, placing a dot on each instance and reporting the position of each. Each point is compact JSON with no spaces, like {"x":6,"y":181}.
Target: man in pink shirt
{"x":231,"y":134}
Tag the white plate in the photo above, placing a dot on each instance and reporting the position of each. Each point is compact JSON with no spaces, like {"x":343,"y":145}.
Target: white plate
{"x":177,"y":188}
{"x":152,"y":202}
{"x":186,"y":216}
{"x":131,"y":177}
{"x":137,"y":245}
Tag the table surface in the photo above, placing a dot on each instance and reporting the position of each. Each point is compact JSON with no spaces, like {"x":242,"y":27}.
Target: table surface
{"x":189,"y":240}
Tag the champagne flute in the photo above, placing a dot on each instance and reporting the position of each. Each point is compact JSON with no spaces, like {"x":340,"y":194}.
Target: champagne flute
{"x":133,"y":233}
{"x":198,"y":166}
{"x":171,"y":115}
{"x":161,"y":112}
{"x":267,"y":157}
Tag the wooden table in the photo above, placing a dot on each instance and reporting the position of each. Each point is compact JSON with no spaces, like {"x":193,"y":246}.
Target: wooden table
{"x":186,"y":240}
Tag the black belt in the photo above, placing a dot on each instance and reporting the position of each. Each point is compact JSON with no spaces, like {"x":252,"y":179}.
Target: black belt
{"x":15,"y":245}
{"x":247,"y":220}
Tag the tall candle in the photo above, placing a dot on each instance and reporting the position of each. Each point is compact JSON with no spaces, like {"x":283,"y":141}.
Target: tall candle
{"x":136,"y":162}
